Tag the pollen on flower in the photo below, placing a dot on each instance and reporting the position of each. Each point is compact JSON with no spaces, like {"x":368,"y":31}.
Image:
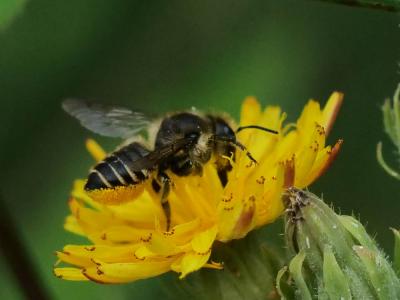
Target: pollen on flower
{"x":129,"y":241}
{"x":147,"y":239}
{"x":229,"y":208}
{"x":169,"y":233}
{"x":92,"y":248}
{"x":261,"y":180}
{"x":227,"y":199}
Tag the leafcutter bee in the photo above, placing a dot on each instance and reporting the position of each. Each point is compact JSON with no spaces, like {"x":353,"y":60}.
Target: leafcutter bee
{"x":183,"y":142}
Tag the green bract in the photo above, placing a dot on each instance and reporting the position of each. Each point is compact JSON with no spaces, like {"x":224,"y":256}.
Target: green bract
{"x":336,"y":258}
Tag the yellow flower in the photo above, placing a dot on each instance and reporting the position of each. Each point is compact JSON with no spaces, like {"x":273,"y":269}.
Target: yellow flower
{"x":128,"y":241}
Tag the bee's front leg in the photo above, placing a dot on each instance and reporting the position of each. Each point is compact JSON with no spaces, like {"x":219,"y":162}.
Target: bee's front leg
{"x":164,"y":186}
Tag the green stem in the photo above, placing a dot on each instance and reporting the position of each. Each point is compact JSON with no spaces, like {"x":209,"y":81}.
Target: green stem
{"x":388,"y":5}
{"x":396,"y":111}
{"x":18,"y":258}
{"x":384,"y":165}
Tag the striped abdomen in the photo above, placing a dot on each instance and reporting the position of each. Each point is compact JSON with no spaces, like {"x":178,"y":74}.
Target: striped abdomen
{"x":117,"y":169}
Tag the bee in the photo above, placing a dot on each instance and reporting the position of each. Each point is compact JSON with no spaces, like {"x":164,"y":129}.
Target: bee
{"x":183,"y":143}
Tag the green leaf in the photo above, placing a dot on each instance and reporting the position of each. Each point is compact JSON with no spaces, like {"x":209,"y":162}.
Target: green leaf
{"x":8,"y":10}
{"x":384,"y":280}
{"x":295,"y":268}
{"x":284,"y":289}
{"x":396,"y":250}
{"x":389,"y":120}
{"x":335,"y":282}
{"x":358,"y":232}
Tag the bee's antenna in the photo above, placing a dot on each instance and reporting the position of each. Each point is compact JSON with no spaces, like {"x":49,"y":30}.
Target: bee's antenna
{"x":256,"y":127}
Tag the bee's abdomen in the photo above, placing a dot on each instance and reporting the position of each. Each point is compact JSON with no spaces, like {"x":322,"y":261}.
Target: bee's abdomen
{"x":117,"y":169}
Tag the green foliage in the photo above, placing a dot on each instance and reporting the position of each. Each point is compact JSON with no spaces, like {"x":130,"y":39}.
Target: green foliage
{"x":336,"y":258}
{"x":296,"y":270}
{"x":335,"y":281}
{"x":9,"y":9}
{"x":391,"y":123}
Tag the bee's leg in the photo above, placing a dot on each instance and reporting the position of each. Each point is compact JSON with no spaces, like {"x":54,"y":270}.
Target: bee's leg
{"x":197,"y":169}
{"x":165,"y":182}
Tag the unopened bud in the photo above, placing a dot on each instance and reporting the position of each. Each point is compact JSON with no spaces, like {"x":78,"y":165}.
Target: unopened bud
{"x":396,"y":250}
{"x":336,"y":258}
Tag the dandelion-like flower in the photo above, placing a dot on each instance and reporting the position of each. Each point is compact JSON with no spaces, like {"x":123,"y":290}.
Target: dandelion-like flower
{"x":129,"y":242}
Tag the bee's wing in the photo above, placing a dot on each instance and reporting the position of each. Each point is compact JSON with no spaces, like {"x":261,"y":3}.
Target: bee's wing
{"x":160,"y":154}
{"x":105,"y":120}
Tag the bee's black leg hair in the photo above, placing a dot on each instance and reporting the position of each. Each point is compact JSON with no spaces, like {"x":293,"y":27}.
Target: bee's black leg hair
{"x":165,"y":182}
{"x":237,"y":144}
{"x":243,"y":148}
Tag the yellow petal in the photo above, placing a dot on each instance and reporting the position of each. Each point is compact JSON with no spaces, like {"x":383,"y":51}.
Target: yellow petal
{"x":72,"y":225}
{"x":183,"y":233}
{"x":81,"y":255}
{"x":249,"y":115}
{"x":192,"y":262}
{"x":73,"y":274}
{"x":95,"y":150}
{"x":331,"y":110}
{"x":323,"y":161}
{"x":304,"y":159}
{"x":230,"y":208}
{"x":125,"y":272}
{"x":261,"y":143}
{"x":73,"y":259}
{"x":202,"y":242}
{"x":270,"y":206}
{"x":247,"y":219}
{"x":120,"y":234}
{"x":251,"y":111}
{"x":310,"y":115}
{"x":139,"y":213}
{"x":161,"y":245}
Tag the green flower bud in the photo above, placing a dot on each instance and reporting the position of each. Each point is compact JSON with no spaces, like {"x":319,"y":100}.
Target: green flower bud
{"x":396,"y":250}
{"x":336,"y":258}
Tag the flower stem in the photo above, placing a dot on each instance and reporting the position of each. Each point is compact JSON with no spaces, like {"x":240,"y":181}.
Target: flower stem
{"x":388,"y":5}
{"x":383,"y":164}
{"x":13,"y":250}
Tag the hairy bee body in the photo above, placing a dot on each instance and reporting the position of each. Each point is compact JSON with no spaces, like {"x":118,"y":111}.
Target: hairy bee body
{"x":118,"y":169}
{"x":184,"y":142}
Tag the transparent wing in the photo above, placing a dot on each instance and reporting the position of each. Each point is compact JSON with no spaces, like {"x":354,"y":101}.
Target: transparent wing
{"x":106,"y":120}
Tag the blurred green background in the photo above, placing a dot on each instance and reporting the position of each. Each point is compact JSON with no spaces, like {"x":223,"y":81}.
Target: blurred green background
{"x":165,"y":55}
